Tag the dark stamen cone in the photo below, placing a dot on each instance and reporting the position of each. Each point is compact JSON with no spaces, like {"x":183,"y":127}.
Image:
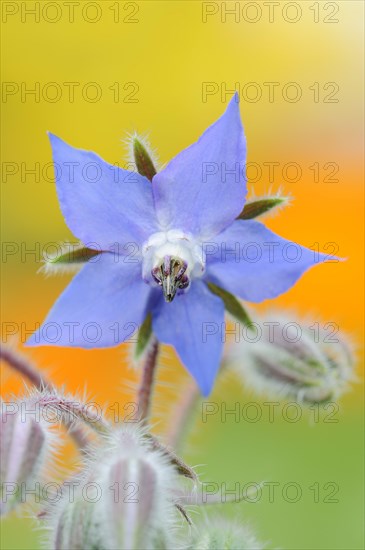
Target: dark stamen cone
{"x":171,"y":276}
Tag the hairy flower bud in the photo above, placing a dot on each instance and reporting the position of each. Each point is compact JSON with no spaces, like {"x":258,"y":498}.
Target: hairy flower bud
{"x":77,"y":527}
{"x":216,"y":533}
{"x":294,"y":359}
{"x":24,"y":447}
{"x":133,"y":503}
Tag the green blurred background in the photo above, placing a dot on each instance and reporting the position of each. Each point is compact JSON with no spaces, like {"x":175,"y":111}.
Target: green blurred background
{"x":143,"y":66}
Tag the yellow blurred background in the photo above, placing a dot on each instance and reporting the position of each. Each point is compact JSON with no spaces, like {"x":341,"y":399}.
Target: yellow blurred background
{"x":95,"y":71}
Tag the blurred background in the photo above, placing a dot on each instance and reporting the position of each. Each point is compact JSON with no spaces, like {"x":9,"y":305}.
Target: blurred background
{"x":95,"y":71}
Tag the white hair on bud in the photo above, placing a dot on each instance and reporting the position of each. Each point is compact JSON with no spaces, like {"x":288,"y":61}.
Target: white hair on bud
{"x":286,"y":200}
{"x":51,"y":266}
{"x":214,"y":532}
{"x":133,"y":508}
{"x":28,"y":447}
{"x":294,"y":359}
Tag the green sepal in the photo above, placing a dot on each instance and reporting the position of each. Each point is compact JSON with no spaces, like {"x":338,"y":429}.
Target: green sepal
{"x":232,"y":305}
{"x":144,"y":335}
{"x":255,"y":208}
{"x":143,"y":160}
{"x":74,"y":256}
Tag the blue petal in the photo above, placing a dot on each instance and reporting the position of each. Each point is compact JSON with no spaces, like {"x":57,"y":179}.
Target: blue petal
{"x":102,"y":203}
{"x":193,"y":324}
{"x":250,"y":261}
{"x":197,"y":191}
{"x":102,"y":306}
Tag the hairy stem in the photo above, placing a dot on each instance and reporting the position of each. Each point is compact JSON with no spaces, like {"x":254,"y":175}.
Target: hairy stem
{"x":24,"y":367}
{"x":71,"y":411}
{"x":144,"y":396}
{"x":183,"y":416}
{"x":21,"y":364}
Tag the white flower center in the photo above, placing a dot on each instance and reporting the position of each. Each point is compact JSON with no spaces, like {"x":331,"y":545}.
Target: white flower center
{"x":170,"y":260}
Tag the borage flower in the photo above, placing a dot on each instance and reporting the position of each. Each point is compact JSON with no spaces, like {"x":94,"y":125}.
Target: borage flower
{"x":173,"y":249}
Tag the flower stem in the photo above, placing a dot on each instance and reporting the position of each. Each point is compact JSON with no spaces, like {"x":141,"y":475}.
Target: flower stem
{"x":148,"y":376}
{"x":183,"y":416}
{"x":20,"y":363}
{"x":71,"y":411}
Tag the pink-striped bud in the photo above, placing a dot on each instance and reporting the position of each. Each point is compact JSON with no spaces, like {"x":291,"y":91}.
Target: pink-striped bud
{"x":296,"y":359}
{"x":76,"y":525}
{"x":24,"y":446}
{"x":125,"y":500}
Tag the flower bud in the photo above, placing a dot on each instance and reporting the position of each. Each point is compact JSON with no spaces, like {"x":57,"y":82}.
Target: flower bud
{"x":217,"y":533}
{"x":294,"y":359}
{"x":77,"y":527}
{"x":133,"y":506}
{"x":24,"y":447}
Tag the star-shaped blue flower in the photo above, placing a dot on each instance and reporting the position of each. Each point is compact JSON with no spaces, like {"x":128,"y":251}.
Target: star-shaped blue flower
{"x":162,"y":243}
